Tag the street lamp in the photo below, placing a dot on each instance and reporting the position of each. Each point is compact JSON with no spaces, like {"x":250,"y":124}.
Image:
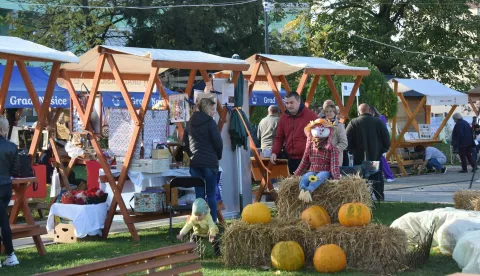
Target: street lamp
{"x":267,"y":6}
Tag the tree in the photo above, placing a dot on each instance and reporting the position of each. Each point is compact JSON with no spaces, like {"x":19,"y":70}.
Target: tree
{"x":65,"y":28}
{"x":222,"y":31}
{"x":340,"y":30}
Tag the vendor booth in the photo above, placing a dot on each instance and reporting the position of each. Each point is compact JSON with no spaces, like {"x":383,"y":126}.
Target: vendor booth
{"x":434,"y":93}
{"x":16,"y":50}
{"x":473,"y":96}
{"x":119,"y":66}
{"x":275,"y":68}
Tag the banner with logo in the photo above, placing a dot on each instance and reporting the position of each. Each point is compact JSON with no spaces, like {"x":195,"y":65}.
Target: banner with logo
{"x":21,"y":99}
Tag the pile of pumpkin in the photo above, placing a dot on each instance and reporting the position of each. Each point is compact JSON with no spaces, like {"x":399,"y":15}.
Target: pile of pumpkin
{"x":289,"y":255}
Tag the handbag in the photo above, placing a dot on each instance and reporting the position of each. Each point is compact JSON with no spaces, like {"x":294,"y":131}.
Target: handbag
{"x":23,"y":165}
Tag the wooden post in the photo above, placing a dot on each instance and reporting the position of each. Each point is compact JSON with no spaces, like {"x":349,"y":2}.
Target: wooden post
{"x":351,"y":98}
{"x":191,"y":80}
{"x":28,"y":84}
{"x":428,"y":114}
{"x":336,"y":96}
{"x":94,"y":89}
{"x":284,"y":82}
{"x":405,"y":104}
{"x":253,"y":77}
{"x":474,"y":108}
{"x":444,"y":122}
{"x":274,"y":87}
{"x":302,"y":83}
{"x":7,"y":76}
{"x":312,"y":90}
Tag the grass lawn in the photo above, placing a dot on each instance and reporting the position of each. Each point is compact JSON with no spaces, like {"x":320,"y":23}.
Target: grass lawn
{"x":68,"y":255}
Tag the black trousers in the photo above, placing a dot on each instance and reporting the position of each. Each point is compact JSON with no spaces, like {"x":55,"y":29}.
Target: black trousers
{"x":293,"y":165}
{"x":466,"y":155}
{"x":6,"y":237}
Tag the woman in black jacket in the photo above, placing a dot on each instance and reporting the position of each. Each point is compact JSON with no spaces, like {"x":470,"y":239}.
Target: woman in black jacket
{"x":8,"y":154}
{"x":203,"y":144}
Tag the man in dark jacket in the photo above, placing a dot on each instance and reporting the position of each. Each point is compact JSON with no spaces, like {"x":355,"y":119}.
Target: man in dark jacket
{"x":462,"y":139}
{"x":368,"y":139}
{"x":203,"y":144}
{"x":291,"y":131}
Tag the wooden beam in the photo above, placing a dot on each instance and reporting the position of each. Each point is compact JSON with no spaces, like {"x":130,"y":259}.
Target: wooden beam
{"x":94,"y":89}
{"x":43,"y":115}
{"x":73,"y":94}
{"x":336,"y":72}
{"x":404,"y":103}
{"x":191,"y":80}
{"x":428,"y":114}
{"x":123,"y":90}
{"x":474,"y":108}
{"x":158,"y":82}
{"x":444,"y":122}
{"x":29,"y":85}
{"x":336,"y":96}
{"x":253,"y":77}
{"x":351,"y":98}
{"x":393,"y":146}
{"x":313,"y":87}
{"x":106,"y":75}
{"x":284,"y":82}
{"x":274,"y":87}
{"x":204,"y":75}
{"x":24,"y":58}
{"x":7,"y":76}
{"x":200,"y":65}
{"x":303,"y":82}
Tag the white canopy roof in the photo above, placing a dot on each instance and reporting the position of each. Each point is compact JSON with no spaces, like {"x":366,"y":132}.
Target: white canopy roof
{"x":285,"y":65}
{"x":10,"y":45}
{"x":437,"y":93}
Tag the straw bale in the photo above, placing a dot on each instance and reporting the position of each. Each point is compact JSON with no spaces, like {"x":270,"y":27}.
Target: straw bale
{"x":467,"y":200}
{"x":331,"y":196}
{"x":370,"y":248}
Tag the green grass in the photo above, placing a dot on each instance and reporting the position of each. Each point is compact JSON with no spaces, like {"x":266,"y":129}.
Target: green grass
{"x":68,"y":255}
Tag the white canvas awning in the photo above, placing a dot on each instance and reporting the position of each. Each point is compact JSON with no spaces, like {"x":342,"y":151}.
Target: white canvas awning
{"x":437,"y":93}
{"x":280,"y":65}
{"x":14,"y":48}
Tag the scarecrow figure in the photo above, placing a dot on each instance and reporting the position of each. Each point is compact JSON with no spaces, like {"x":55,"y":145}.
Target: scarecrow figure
{"x":202,"y":223}
{"x":320,"y":158}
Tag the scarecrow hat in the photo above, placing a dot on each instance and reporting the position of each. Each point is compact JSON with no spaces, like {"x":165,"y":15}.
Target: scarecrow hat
{"x":318,"y":122}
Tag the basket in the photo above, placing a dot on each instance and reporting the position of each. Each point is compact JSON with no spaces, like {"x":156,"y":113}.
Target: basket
{"x":97,"y":199}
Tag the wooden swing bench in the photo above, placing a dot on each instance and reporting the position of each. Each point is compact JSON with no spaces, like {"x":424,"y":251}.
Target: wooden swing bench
{"x":174,"y":260}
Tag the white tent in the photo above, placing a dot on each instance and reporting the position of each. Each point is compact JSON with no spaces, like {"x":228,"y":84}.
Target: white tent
{"x":17,"y":48}
{"x":437,"y":93}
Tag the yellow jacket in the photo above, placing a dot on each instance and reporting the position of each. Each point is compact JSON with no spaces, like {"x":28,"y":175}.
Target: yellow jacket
{"x":202,"y":228}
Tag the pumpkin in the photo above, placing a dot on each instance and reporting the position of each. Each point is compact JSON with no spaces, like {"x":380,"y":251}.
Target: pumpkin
{"x":256,"y":213}
{"x":329,"y":258}
{"x":315,"y":216}
{"x":354,"y":214}
{"x":288,"y":255}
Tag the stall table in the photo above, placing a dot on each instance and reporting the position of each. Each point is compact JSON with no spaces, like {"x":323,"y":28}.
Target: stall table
{"x":30,"y":229}
{"x":280,"y":169}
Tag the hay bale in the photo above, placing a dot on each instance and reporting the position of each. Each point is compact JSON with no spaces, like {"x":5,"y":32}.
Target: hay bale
{"x":467,"y":200}
{"x":331,"y":196}
{"x":371,"y":248}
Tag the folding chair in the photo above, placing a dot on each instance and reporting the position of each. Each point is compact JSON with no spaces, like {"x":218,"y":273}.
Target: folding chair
{"x":182,"y":182}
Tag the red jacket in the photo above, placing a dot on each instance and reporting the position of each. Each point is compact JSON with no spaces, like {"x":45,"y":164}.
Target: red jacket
{"x":290,"y":131}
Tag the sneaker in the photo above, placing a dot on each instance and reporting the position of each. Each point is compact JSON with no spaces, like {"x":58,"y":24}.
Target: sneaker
{"x":11,"y":260}
{"x":389,"y":180}
{"x":475,"y":169}
{"x":444,"y":170}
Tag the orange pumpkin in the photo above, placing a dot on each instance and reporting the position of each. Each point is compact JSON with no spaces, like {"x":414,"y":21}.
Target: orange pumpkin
{"x":288,"y":256}
{"x":329,"y":258}
{"x":315,"y":216}
{"x":354,"y":214}
{"x":256,"y":213}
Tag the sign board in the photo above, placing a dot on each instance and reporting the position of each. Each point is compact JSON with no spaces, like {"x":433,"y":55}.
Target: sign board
{"x":425,"y":132}
{"x":347,"y":89}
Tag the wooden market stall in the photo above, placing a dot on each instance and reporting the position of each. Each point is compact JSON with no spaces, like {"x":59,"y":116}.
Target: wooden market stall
{"x":149,"y":63}
{"x":275,"y":68}
{"x":434,"y":93}
{"x":19,"y":51}
{"x":473,"y":96}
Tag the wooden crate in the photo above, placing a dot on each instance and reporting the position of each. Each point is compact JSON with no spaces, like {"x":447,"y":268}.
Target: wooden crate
{"x":174,"y":194}
{"x":146,"y":165}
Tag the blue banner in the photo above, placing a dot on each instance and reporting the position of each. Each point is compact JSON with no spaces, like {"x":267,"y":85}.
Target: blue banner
{"x":115,"y":99}
{"x":21,"y":99}
{"x":264,"y":98}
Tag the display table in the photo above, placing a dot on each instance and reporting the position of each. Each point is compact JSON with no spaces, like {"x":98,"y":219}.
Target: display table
{"x":87,"y":219}
{"x":30,"y":229}
{"x":279,"y":169}
{"x":410,"y":144}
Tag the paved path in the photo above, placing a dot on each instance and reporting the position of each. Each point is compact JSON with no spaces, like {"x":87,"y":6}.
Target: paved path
{"x":434,"y":188}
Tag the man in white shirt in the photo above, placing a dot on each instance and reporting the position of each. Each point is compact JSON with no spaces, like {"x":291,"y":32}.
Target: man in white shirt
{"x":434,"y":158}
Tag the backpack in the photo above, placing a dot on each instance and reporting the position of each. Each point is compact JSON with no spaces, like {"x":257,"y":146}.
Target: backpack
{"x":23,"y":165}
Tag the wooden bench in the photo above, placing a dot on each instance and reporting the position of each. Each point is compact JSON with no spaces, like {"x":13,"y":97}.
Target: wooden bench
{"x":173,"y":260}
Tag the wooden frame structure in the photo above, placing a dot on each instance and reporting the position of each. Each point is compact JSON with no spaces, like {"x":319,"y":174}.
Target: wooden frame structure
{"x":474,"y":95}
{"x":20,"y":52}
{"x":193,"y":61}
{"x":400,"y":142}
{"x":275,"y":68}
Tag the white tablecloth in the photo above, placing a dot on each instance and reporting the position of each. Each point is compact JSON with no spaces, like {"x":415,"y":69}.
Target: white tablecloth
{"x":87,"y":219}
{"x":143,"y":180}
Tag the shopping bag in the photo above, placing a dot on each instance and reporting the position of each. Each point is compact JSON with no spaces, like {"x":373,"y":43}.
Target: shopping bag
{"x":55,"y":187}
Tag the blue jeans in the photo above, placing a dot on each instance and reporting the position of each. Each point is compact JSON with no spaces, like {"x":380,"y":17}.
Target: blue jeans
{"x":433,"y":163}
{"x":305,"y":183}
{"x":210,"y":176}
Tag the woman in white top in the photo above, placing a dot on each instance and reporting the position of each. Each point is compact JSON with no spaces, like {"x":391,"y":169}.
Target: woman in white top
{"x":339,"y":138}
